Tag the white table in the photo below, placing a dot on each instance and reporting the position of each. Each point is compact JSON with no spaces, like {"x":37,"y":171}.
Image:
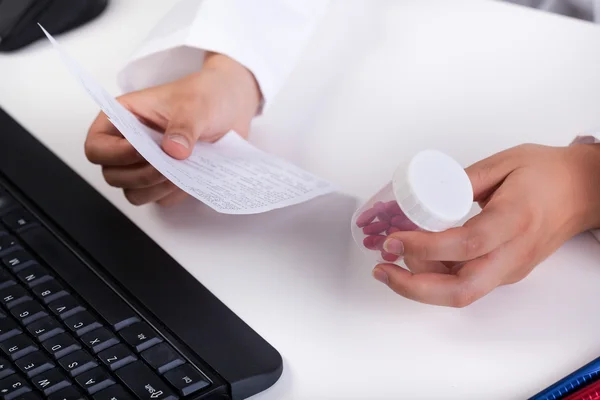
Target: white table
{"x":381,"y":80}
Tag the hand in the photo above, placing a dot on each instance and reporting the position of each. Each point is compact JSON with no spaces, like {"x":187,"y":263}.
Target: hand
{"x":222,"y":96}
{"x":533,"y":199}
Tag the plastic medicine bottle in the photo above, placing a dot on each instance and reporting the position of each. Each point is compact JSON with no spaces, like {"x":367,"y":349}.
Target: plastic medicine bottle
{"x":431,"y":192}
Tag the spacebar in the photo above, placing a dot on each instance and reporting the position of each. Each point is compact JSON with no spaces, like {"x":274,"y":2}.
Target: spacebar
{"x":85,"y":282}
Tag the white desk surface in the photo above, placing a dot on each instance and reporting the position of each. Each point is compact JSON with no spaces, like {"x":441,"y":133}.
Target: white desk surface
{"x":381,"y":80}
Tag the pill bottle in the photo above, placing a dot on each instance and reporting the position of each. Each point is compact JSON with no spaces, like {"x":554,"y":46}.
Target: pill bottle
{"x":430,"y":192}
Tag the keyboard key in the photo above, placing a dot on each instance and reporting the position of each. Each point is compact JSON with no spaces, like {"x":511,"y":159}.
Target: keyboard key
{"x":17,"y":347}
{"x":49,"y":291}
{"x":60,"y":345}
{"x":28,"y":311}
{"x":186,"y":379}
{"x":77,"y":362}
{"x":94,"y":380}
{"x":65,"y":307}
{"x":19,"y":219}
{"x":8,"y":243}
{"x":13,"y":295}
{"x":45,"y":328}
{"x":29,"y":396}
{"x":106,"y":303}
{"x":7,"y":203}
{"x":5,"y":368}
{"x":162,"y":357}
{"x":50,"y":381}
{"x":81,"y":323}
{"x":144,"y":383}
{"x":115,"y":392}
{"x":34,"y":363}
{"x":99,"y":339}
{"x":33,"y":275}
{"x":68,"y":393}
{"x":17,"y":260}
{"x":8,"y":328}
{"x":117,"y":356}
{"x":6,"y":279}
{"x":13,"y":386}
{"x":140,"y":336}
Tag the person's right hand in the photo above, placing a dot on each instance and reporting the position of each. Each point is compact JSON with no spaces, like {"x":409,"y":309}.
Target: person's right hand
{"x":533,"y":199}
{"x":222,"y":96}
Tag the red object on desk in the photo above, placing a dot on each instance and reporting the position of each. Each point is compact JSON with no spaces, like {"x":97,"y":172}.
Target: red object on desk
{"x":590,"y":392}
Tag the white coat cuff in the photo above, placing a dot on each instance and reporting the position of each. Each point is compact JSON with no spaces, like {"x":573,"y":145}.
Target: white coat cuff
{"x":588,"y":139}
{"x":267,"y":40}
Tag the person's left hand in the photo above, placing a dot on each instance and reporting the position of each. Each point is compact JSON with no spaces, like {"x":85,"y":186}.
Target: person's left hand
{"x":203,"y":106}
{"x":533,"y":199}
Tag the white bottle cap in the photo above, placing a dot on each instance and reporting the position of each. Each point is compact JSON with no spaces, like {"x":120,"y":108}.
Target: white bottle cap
{"x":433,"y":191}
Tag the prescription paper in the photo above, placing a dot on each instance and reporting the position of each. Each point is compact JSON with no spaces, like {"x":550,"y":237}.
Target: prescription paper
{"x":231,"y":176}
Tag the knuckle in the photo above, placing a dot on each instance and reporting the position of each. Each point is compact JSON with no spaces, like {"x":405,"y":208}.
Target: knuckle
{"x":90,"y":150}
{"x":420,"y":250}
{"x":110,"y":177}
{"x":529,"y":256}
{"x":526,"y":220}
{"x":110,"y":180}
{"x":474,"y":244}
{"x":511,"y":280}
{"x":466,"y":295}
{"x":397,"y":286}
{"x":133,"y":197}
{"x":145,"y":180}
{"x":528,"y":148}
{"x":173,"y":199}
{"x":130,"y":154}
{"x":150,"y":177}
{"x":485,"y":170}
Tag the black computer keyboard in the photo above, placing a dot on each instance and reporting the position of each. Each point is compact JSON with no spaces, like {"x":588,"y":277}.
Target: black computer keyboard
{"x":91,"y":307}
{"x":65,"y":334}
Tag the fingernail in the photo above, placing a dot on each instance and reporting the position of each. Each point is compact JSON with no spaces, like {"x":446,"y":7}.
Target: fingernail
{"x":380,"y":275}
{"x":182,"y":140}
{"x":394,"y":246}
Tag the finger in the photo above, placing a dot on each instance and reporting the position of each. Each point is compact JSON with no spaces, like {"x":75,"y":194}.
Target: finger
{"x":417,"y":266}
{"x":136,"y":176}
{"x":151,"y":194}
{"x":473,"y":281}
{"x":173,"y":199}
{"x":189,"y":123}
{"x":481,"y":234}
{"x":486,"y":175}
{"x":104,"y":145}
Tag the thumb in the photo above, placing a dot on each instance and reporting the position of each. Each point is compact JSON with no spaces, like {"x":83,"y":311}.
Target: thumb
{"x":183,"y":131}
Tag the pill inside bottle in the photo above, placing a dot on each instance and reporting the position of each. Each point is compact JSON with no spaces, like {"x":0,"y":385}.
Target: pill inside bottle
{"x":431,"y":192}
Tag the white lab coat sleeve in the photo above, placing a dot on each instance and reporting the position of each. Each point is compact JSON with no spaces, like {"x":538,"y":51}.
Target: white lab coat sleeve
{"x":589,"y":139}
{"x":583,"y":9}
{"x":266,"y":36}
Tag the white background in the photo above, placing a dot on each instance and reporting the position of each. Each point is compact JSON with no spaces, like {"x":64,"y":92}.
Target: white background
{"x":380,"y":81}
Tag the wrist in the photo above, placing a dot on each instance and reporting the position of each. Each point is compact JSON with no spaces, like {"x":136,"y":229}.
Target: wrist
{"x":242,"y":78}
{"x":585,"y":175}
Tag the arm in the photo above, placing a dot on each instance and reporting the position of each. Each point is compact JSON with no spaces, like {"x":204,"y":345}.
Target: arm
{"x":266,"y":36}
